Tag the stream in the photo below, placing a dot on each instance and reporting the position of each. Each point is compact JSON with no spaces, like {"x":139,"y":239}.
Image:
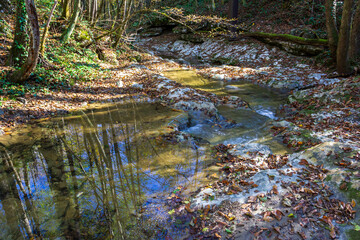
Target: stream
{"x":100,"y":173}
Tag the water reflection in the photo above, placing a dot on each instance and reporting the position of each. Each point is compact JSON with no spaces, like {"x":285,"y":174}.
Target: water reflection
{"x":86,"y":176}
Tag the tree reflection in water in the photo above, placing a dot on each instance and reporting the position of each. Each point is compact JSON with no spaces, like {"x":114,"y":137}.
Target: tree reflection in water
{"x":86,"y":176}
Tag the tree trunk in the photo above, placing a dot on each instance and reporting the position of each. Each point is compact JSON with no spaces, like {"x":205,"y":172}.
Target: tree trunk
{"x":74,"y":18}
{"x":354,"y":48}
{"x":213,"y":6}
{"x":18,"y":49}
{"x":331,"y":28}
{"x":65,"y":14}
{"x":46,"y":29}
{"x":28,"y":67}
{"x":233,"y":12}
{"x":342,"y":54}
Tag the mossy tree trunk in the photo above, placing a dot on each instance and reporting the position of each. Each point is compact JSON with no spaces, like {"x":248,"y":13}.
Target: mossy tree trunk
{"x":354,"y":48}
{"x":331,"y":28}
{"x":18,"y":49}
{"x":28,"y":67}
{"x":74,"y":19}
{"x":342,"y":54}
{"x":287,"y":38}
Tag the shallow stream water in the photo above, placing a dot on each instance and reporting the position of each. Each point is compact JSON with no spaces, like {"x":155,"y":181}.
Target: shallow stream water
{"x":91,"y":175}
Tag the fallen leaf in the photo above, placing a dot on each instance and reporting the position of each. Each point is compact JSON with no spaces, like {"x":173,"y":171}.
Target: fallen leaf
{"x":303,"y":162}
{"x":187,"y":207}
{"x":343,"y":186}
{"x":277,"y":229}
{"x":278,"y":214}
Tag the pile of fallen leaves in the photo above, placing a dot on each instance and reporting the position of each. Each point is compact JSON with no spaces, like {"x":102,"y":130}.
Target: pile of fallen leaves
{"x":301,"y":209}
{"x":343,"y":97}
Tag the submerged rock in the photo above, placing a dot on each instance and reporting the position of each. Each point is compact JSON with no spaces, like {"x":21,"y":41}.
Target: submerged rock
{"x":206,"y":107}
{"x":234,"y":98}
{"x":231,"y":87}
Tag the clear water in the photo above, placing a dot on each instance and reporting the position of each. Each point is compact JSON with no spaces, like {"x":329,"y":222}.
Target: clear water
{"x":92,"y":175}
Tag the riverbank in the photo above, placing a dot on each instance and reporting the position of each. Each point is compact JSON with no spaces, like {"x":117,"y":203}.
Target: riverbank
{"x":320,"y":121}
{"x":309,"y":194}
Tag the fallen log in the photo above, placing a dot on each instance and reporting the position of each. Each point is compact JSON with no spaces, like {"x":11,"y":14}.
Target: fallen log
{"x":290,"y":43}
{"x":287,"y":38}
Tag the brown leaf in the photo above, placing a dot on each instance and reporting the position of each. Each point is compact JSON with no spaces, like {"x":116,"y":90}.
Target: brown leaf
{"x":206,"y":211}
{"x":222,"y":223}
{"x":267,"y":217}
{"x":347,"y":149}
{"x":252,"y":199}
{"x":343,"y":186}
{"x":308,"y":191}
{"x":302,"y":235}
{"x":278,"y":214}
{"x":236,"y":188}
{"x":259,"y":232}
{"x":275,"y":190}
{"x":187,"y":207}
{"x":303,"y":162}
{"x":249,"y":213}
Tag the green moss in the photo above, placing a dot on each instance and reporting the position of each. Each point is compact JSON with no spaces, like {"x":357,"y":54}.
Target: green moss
{"x":353,"y":235}
{"x":352,"y":193}
{"x":82,"y":36}
{"x":289,"y":37}
{"x":223,"y":60}
{"x":328,"y":178}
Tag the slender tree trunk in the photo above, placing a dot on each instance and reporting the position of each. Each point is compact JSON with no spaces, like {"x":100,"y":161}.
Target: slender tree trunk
{"x":28,"y":67}
{"x":342,"y":54}
{"x":99,"y":12}
{"x":74,"y":18}
{"x":331,"y":28}
{"x":46,"y":29}
{"x":65,"y":14}
{"x":94,"y":11}
{"x":18,"y":49}
{"x":233,"y":12}
{"x":213,"y":6}
{"x":354,"y":48}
